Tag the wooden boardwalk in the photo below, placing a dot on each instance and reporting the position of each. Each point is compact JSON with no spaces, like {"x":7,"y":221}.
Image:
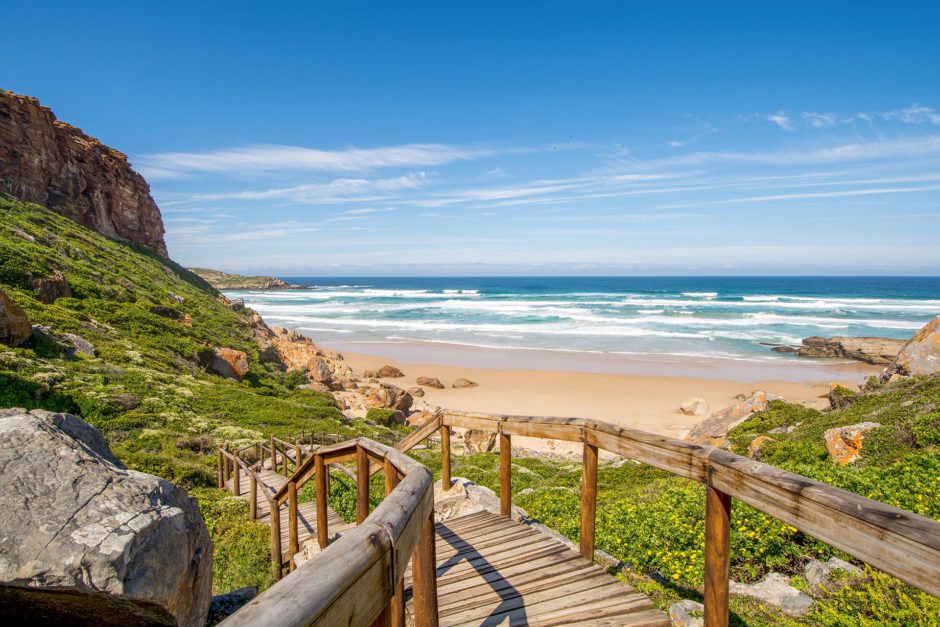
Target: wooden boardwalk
{"x":494,"y":571}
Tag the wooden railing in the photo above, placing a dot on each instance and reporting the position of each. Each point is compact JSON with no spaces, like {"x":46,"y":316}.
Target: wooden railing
{"x":359,"y":578}
{"x":898,"y":542}
{"x":346,"y":580}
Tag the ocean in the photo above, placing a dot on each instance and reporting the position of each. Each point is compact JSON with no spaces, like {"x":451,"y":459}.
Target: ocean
{"x":726,"y":317}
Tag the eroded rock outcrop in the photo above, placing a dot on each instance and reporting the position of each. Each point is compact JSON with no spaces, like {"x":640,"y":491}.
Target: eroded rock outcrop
{"x":871,"y":350}
{"x":920,"y":355}
{"x":87,"y":541}
{"x":54,"y":164}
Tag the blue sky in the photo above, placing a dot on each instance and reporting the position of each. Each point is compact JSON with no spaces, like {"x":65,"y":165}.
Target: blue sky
{"x":532,"y":138}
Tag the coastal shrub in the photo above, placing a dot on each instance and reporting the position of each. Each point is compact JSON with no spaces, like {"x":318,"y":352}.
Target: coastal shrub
{"x":241,"y":548}
{"x":381,"y":416}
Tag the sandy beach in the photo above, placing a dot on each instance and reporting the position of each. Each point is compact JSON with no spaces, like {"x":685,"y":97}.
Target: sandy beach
{"x":627,"y":390}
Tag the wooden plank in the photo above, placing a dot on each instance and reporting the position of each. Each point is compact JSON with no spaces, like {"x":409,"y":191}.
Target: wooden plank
{"x":588,"y":501}
{"x":501,"y":587}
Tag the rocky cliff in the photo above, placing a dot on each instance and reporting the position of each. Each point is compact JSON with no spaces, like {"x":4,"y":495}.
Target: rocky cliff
{"x":50,"y":163}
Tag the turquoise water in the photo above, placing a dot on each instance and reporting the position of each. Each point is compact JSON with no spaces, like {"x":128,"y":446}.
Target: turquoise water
{"x":725,"y":317}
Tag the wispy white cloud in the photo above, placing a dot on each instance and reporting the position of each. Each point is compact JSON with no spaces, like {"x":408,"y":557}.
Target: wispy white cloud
{"x":270,"y":157}
{"x":335,"y":191}
{"x":914,"y":114}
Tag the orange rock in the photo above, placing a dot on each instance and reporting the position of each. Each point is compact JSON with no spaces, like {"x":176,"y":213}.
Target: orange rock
{"x":753,"y":449}
{"x":14,"y":325}
{"x":229,"y":362}
{"x":845,"y":443}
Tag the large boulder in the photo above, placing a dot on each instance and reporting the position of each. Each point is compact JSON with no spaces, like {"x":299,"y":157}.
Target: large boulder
{"x":14,"y":325}
{"x":479,"y":441}
{"x":387,"y":396}
{"x":463,"y":383}
{"x":714,"y":430}
{"x":845,"y":443}
{"x":50,"y":288}
{"x":87,"y":541}
{"x":694,"y":406}
{"x":430,"y":382}
{"x":389,"y":372}
{"x":871,"y":350}
{"x":920,"y":355}
{"x":229,"y":362}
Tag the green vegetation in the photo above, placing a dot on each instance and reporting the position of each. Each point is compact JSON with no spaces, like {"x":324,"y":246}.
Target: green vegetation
{"x":654,"y":521}
{"x":152,"y":324}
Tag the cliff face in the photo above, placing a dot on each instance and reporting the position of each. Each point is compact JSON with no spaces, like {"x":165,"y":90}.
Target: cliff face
{"x":58,"y":166}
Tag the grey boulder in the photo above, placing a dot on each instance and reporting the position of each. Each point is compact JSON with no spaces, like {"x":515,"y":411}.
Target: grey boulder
{"x":84,"y":540}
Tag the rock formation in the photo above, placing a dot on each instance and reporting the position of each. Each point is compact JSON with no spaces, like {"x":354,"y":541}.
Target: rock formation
{"x":478,"y":441}
{"x":51,"y":288}
{"x":228,"y":281}
{"x":87,"y":541}
{"x":14,"y":325}
{"x":430,"y":382}
{"x":694,"y":406}
{"x":871,"y":350}
{"x":389,"y":372}
{"x":463,"y":383}
{"x":48,"y":162}
{"x":845,"y":443}
{"x":229,"y":362}
{"x":715,"y":429}
{"x":920,"y":355}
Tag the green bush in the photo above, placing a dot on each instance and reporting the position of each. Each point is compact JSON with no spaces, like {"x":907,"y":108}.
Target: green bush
{"x":241,"y":549}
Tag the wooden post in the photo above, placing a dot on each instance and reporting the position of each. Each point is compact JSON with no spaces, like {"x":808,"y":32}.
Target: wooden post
{"x":445,"y":458}
{"x":717,"y":556}
{"x":298,"y":459}
{"x":588,"y":501}
{"x":236,"y":476}
{"x":260,"y":451}
{"x":252,"y":495}
{"x":396,"y":606}
{"x":277,"y":555}
{"x":362,"y":485}
{"x":505,"y":475}
{"x":273,"y":456}
{"x":292,"y":522}
{"x":424,"y":577}
{"x":323,"y":533}
{"x":220,"y":471}
{"x":391,"y":477}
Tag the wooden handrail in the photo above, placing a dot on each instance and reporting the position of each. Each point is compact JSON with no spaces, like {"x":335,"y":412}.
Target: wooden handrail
{"x":901,"y":543}
{"x":357,"y":578}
